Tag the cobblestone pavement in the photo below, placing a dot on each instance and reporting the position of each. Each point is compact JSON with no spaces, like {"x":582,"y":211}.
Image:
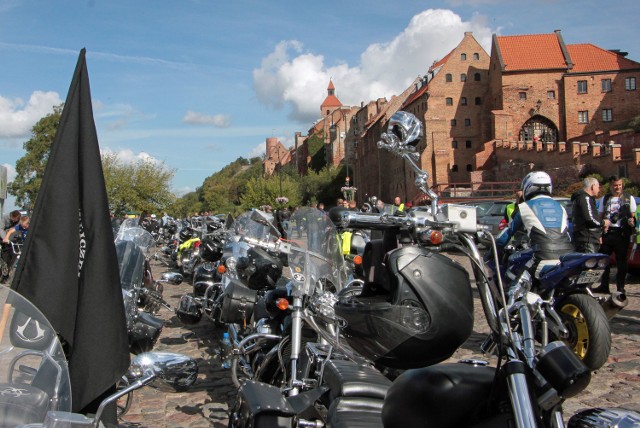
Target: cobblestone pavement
{"x":616,"y":384}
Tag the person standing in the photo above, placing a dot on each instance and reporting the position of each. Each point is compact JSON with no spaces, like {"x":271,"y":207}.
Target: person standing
{"x":587,"y":227}
{"x":617,"y":209}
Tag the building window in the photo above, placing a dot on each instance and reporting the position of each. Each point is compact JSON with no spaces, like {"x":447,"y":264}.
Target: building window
{"x":582,"y":86}
{"x":469,"y":167}
{"x":449,"y":101}
{"x":463,"y":101}
{"x":463,"y":57}
{"x":476,"y":56}
{"x":476,"y":77}
{"x":468,"y":144}
{"x":606,"y":85}
{"x":522,"y":95}
{"x":454,"y":144}
{"x":583,"y":116}
{"x":448,"y":77}
{"x":607,"y":115}
{"x":467,"y":122}
{"x":630,"y":83}
{"x":463,"y":77}
{"x":551,"y":95}
{"x":453,"y":122}
{"x":454,"y":168}
{"x":478,"y":101}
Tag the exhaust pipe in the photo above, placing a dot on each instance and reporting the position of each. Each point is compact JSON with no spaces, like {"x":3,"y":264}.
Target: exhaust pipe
{"x":614,"y":303}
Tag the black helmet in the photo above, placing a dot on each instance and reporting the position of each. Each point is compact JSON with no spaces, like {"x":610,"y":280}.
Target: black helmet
{"x":189,"y":310}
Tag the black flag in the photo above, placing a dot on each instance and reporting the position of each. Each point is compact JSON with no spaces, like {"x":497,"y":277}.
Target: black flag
{"x":68,"y":267}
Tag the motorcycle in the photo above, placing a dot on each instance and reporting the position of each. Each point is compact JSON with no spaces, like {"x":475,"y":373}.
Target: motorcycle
{"x":36,"y":387}
{"x":142,"y":294}
{"x":571,"y":312}
{"x":414,"y":311}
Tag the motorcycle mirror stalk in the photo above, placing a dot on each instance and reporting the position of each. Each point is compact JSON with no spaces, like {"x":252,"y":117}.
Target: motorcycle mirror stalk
{"x":165,"y":371}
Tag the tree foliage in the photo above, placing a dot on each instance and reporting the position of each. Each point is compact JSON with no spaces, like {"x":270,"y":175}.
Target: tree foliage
{"x":264,"y":191}
{"x":140,"y":186}
{"x":30,"y":167}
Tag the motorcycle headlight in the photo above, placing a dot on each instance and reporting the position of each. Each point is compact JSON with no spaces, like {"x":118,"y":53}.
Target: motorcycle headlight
{"x":603,"y":262}
{"x":591,"y":263}
{"x":231,"y":263}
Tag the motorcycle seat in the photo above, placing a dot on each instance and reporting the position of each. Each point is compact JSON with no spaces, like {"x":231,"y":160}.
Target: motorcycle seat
{"x":444,"y":395}
{"x":355,"y":412}
{"x":22,"y":404}
{"x":349,"y":379}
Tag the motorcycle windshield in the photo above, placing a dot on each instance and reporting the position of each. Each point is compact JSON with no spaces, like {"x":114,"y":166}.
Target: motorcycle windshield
{"x":256,"y":225}
{"x":133,"y":245}
{"x":35,"y":378}
{"x":315,"y":259}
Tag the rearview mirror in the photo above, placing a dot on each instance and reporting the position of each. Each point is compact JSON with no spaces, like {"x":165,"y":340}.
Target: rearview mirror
{"x":174,"y":372}
{"x":172,"y":278}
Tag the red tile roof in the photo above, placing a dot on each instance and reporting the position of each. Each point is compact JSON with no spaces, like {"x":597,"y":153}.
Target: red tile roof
{"x":588,"y":58}
{"x":331,"y":85}
{"x":531,"y":52}
{"x":331,"y":101}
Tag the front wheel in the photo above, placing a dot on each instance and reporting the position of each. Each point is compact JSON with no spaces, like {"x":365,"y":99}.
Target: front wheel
{"x":589,"y":331}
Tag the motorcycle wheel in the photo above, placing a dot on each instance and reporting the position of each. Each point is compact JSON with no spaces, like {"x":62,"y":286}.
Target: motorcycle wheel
{"x":589,"y":331}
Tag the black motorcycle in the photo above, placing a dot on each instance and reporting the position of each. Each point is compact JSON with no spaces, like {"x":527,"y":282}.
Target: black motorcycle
{"x":141,"y":292}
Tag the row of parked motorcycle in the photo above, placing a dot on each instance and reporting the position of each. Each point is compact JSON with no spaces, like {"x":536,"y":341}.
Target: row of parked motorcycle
{"x":323,"y":325}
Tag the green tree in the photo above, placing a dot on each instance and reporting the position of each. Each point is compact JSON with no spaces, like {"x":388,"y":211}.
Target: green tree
{"x":264,"y":191}
{"x":186,"y":205}
{"x":140,"y":186}
{"x":30,"y":168}
{"x":323,"y":186}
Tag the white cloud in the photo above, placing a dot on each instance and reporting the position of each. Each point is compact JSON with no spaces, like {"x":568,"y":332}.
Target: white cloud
{"x":217,"y":120}
{"x":17,"y":117}
{"x":129,"y":156}
{"x":258,"y":151}
{"x":289,"y":76}
{"x":181,"y":191}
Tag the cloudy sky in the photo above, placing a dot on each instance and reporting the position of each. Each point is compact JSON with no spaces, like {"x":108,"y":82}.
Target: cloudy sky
{"x":197,"y":83}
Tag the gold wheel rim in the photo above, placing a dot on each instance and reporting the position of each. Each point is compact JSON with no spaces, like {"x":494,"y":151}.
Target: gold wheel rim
{"x":580,"y":343}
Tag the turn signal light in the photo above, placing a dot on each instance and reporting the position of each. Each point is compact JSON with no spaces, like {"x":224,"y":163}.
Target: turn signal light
{"x":435,"y":237}
{"x":282,"y":304}
{"x":357,"y":260}
{"x":221,"y":269}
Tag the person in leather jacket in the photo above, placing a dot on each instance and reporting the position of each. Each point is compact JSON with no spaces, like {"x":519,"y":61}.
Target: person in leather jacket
{"x":587,"y":226}
{"x":543,"y":219}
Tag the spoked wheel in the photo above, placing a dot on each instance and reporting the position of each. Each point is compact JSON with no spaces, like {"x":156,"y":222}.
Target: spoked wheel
{"x":589,"y":331}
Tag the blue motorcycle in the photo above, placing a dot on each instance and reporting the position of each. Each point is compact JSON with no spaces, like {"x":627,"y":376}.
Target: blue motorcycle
{"x":562,"y":300}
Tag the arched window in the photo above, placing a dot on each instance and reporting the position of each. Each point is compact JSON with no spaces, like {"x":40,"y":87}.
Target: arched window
{"x":463,"y":101}
{"x":476,"y":77}
{"x":454,"y":168}
{"x":448,"y":77}
{"x":541,"y":127}
{"x":463,"y":57}
{"x":449,"y":101}
{"x":463,"y":77}
{"x":476,"y":56}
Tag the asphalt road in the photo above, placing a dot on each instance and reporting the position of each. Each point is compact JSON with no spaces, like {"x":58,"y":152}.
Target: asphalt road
{"x":616,"y":384}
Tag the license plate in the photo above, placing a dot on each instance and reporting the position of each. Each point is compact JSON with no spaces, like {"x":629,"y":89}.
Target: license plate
{"x":589,"y":276}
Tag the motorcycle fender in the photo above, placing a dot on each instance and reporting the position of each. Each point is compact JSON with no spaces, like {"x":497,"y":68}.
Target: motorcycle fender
{"x":263,"y":405}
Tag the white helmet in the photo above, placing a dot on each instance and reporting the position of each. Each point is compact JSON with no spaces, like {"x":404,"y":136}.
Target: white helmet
{"x":535,"y":183}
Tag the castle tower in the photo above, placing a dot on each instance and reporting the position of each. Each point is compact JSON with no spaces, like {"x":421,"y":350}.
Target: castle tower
{"x":330,"y":103}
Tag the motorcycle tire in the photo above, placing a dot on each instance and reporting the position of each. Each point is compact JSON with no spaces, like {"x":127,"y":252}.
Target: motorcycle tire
{"x":589,"y":330}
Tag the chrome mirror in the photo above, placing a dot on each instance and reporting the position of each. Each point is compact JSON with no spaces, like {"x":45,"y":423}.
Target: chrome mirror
{"x":174,"y":278}
{"x":174,"y":372}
